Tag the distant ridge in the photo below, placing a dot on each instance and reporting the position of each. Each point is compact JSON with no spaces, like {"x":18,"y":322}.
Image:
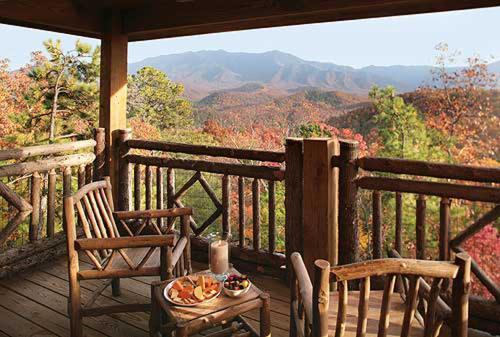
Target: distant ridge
{"x":205,"y":72}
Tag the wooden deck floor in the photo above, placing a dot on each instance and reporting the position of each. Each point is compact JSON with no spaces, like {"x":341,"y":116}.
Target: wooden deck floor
{"x":34,"y":304}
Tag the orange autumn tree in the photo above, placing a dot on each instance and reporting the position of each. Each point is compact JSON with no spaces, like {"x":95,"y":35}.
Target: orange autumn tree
{"x":254,"y":136}
{"x":7,"y":126}
{"x":458,"y":104}
{"x":15,"y":106}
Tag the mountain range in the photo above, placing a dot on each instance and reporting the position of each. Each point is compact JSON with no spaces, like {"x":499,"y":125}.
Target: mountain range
{"x":275,"y":73}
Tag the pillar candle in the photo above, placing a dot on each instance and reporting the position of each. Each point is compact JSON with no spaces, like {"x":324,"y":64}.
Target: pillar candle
{"x":219,"y":259}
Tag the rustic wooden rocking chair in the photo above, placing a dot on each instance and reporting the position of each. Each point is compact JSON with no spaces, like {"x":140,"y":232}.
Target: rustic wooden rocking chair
{"x":114,"y":256}
{"x":311,"y":310}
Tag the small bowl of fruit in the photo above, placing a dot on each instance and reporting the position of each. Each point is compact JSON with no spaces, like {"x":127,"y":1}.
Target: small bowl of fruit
{"x":236,"y":285}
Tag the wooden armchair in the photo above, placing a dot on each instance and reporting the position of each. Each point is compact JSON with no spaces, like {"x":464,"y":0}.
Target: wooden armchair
{"x":114,"y":256}
{"x":313,"y":314}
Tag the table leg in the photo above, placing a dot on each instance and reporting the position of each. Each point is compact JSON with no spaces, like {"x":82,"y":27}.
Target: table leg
{"x":181,"y":331}
{"x":265,"y":316}
{"x":155,"y":317}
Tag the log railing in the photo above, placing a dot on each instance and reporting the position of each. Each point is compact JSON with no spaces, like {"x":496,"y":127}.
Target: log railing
{"x":461,"y":182}
{"x":148,"y":170}
{"x":33,"y":181}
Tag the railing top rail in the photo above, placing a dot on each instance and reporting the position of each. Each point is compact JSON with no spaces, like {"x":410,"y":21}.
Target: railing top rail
{"x":447,"y":190}
{"x":243,"y":170}
{"x":213,"y":151}
{"x":430,"y":169}
{"x":46,"y":149}
{"x":44,"y":165}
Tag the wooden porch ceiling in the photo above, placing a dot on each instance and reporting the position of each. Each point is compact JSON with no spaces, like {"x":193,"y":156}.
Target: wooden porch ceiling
{"x":150,"y":19}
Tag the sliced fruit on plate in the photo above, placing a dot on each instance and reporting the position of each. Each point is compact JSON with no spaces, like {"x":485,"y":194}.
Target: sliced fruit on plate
{"x":201,"y":282}
{"x":198,"y":293}
{"x":184,"y":294}
{"x":178,"y":286}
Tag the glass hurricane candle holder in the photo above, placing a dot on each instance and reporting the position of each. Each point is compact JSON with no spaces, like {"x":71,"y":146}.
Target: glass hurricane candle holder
{"x":219,"y":248}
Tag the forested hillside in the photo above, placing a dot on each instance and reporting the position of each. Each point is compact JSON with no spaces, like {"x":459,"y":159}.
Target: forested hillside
{"x":243,"y":108}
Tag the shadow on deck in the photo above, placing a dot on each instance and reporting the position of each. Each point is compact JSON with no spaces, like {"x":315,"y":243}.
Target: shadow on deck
{"x":35,"y":304}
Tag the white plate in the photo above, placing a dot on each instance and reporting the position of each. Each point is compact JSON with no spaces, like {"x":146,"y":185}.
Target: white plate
{"x":167,"y":296}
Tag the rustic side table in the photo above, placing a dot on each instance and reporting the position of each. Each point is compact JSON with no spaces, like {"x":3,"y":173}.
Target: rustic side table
{"x":185,"y":321}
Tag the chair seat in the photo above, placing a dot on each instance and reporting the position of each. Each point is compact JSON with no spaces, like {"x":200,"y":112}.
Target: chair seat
{"x":396,"y":315}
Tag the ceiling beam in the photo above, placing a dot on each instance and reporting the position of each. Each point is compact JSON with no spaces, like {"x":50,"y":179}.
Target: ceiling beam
{"x":192,"y":17}
{"x":54,"y":15}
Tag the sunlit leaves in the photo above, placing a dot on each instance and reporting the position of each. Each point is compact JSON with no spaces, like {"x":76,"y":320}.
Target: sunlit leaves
{"x":157,"y":100}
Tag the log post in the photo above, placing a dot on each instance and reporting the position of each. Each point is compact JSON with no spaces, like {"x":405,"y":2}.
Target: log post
{"x":420,"y":227}
{"x":444,"y":229}
{"x":51,"y":204}
{"x":66,"y":188}
{"x":148,"y":182}
{"x":272,"y":216}
{"x":256,"y":214}
{"x":36,"y":185}
{"x":265,"y":315}
{"x":293,"y":198}
{"x":241,"y":211}
{"x":89,"y":173}
{"x":226,"y":206}
{"x":321,"y":298}
{"x":159,"y":193}
{"x":113,"y":86}
{"x":398,"y":245}
{"x":377,"y":225}
{"x":320,"y":192}
{"x":170,"y":193}
{"x":121,"y":189}
{"x":137,"y":187}
{"x":81,"y":176}
{"x":293,"y":211}
{"x":100,"y":153}
{"x":460,"y":296}
{"x":348,"y":202}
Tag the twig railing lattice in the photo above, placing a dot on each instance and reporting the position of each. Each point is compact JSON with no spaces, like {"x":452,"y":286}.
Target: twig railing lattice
{"x":467,"y":188}
{"x":151,"y":162}
{"x":42,"y":165}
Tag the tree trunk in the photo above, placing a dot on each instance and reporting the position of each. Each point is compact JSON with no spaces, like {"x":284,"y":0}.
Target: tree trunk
{"x":52,"y":131}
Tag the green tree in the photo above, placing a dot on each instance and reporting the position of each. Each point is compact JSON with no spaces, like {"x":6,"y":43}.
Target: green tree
{"x":67,"y":83}
{"x":400,"y":129}
{"x":157,"y":100}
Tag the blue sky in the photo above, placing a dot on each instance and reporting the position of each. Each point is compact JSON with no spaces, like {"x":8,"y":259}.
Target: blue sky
{"x":407,"y":40}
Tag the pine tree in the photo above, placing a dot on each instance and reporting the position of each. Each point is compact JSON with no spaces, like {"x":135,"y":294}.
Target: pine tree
{"x":67,"y":84}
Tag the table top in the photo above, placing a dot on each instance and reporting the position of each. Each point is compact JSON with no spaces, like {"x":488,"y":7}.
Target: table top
{"x":180,"y":313}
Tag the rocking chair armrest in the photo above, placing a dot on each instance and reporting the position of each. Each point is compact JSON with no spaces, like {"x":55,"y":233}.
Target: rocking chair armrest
{"x":304,"y":283}
{"x":125,"y":242}
{"x":153,"y":213}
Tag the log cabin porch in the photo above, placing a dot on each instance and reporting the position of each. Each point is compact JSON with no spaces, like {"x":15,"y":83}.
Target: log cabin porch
{"x":322,"y":178}
{"x":142,"y":168}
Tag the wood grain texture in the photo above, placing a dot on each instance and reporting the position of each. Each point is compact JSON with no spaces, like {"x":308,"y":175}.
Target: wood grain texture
{"x":206,"y":150}
{"x":39,"y":150}
{"x":429,"y":169}
{"x":320,"y":192}
{"x":348,"y":203}
{"x":44,"y":165}
{"x":169,"y":19}
{"x":244,"y":170}
{"x":449,"y":190}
